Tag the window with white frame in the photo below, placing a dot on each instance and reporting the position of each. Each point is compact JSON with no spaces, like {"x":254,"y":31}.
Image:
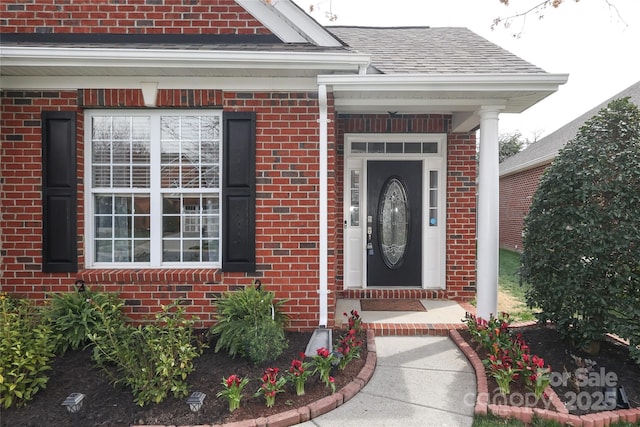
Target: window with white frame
{"x":153,"y":188}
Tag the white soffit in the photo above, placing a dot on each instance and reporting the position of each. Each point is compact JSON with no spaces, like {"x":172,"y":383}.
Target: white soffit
{"x":458,"y":94}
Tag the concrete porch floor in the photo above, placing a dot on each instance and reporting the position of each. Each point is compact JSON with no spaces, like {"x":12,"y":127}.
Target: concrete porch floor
{"x":440,"y":317}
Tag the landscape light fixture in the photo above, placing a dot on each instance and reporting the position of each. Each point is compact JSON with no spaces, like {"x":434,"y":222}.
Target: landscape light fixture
{"x":196,"y":400}
{"x":73,"y":402}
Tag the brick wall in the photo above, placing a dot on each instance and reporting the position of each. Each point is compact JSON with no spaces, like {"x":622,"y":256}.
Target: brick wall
{"x":286,"y":212}
{"x":516,"y":192}
{"x":127,"y":17}
{"x":461,"y":191}
{"x":461,"y":216}
{"x":20,"y":191}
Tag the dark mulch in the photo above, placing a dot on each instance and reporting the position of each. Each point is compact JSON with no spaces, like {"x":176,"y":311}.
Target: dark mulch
{"x":582,"y":395}
{"x":109,"y":406}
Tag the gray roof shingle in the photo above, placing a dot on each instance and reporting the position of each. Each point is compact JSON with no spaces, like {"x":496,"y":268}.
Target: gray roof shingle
{"x":544,"y":150}
{"x":424,"y":50}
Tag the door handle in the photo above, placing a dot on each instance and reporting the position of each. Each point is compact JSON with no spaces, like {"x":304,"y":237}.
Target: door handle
{"x":369,"y":243}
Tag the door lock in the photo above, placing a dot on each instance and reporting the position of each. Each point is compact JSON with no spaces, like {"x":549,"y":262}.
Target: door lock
{"x":369,"y":244}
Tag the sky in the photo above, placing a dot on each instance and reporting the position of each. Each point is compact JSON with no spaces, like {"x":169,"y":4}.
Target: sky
{"x":596,"y":42}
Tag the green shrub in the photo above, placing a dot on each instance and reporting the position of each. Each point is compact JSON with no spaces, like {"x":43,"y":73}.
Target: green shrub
{"x":264,"y":342}
{"x":26,"y":347}
{"x":581,"y":236}
{"x":153,"y":359}
{"x":251,"y":324}
{"x":74,"y":315}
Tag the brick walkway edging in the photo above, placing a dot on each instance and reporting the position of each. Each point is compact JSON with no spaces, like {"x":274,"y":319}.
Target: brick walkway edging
{"x":525,"y":415}
{"x":317,"y":408}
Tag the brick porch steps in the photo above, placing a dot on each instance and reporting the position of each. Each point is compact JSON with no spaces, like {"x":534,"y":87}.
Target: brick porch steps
{"x":412,"y":329}
{"x":441,"y":315}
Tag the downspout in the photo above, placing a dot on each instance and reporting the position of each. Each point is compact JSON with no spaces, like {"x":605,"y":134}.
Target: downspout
{"x":323,"y":290}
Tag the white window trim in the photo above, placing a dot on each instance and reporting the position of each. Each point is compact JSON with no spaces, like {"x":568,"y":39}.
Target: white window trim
{"x":155,"y":195}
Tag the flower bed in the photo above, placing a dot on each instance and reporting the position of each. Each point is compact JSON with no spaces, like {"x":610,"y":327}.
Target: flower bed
{"x":550,"y":407}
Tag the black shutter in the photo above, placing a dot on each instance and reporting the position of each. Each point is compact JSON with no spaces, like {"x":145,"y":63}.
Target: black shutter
{"x":239,"y":192}
{"x":59,"y":192}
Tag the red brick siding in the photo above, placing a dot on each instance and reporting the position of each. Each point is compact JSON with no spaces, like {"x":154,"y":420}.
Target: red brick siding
{"x":286,"y":212}
{"x":516,"y":192}
{"x":461,"y":192}
{"x":461,"y":216}
{"x":128,"y":17}
{"x":20,"y":193}
{"x":287,"y":240}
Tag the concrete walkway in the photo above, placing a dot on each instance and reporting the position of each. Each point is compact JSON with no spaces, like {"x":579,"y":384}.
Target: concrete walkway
{"x":420,"y":381}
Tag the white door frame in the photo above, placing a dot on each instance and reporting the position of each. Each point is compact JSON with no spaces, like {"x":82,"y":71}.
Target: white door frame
{"x":361,"y":147}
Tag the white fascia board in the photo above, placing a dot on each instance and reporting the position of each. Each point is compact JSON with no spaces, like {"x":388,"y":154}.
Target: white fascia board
{"x":174,"y":58}
{"x":246,"y":84}
{"x":288,"y":22}
{"x":311,"y":28}
{"x":272,"y":20}
{"x":445,"y":82}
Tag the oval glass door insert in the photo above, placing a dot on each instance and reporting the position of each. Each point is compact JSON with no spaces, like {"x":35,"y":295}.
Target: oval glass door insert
{"x":393,"y":221}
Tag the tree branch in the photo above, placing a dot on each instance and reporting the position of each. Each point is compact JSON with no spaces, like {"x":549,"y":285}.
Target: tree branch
{"x":537,"y":9}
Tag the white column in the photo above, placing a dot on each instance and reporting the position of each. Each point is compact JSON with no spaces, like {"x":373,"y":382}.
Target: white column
{"x":488,"y":212}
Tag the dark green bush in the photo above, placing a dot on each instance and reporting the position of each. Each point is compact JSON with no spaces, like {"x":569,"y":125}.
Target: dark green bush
{"x":26,"y":347}
{"x":582,"y":235}
{"x":251,"y":324}
{"x":153,"y":359}
{"x":264,"y":342}
{"x":74,"y":315}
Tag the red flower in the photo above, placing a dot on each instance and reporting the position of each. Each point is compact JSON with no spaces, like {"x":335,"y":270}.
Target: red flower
{"x":296,"y":367}
{"x":538,"y":361}
{"x":323,"y":352}
{"x":233,"y":380}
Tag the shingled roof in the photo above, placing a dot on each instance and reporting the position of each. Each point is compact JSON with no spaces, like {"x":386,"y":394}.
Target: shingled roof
{"x":545,"y":150}
{"x":425,"y":50}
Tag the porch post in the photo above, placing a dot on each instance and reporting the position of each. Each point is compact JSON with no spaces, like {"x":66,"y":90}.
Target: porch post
{"x":488,"y":211}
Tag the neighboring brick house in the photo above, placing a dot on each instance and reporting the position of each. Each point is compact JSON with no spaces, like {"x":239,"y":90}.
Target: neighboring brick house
{"x":520,"y":174}
{"x":171,"y":149}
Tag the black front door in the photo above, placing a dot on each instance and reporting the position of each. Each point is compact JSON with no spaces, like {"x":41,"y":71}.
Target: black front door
{"x":394,"y":223}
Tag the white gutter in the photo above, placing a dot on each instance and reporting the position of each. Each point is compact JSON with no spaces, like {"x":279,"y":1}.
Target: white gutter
{"x":323,"y":289}
{"x":529,"y":165}
{"x":288,"y":83}
{"x":34,"y":56}
{"x":448,"y":82}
